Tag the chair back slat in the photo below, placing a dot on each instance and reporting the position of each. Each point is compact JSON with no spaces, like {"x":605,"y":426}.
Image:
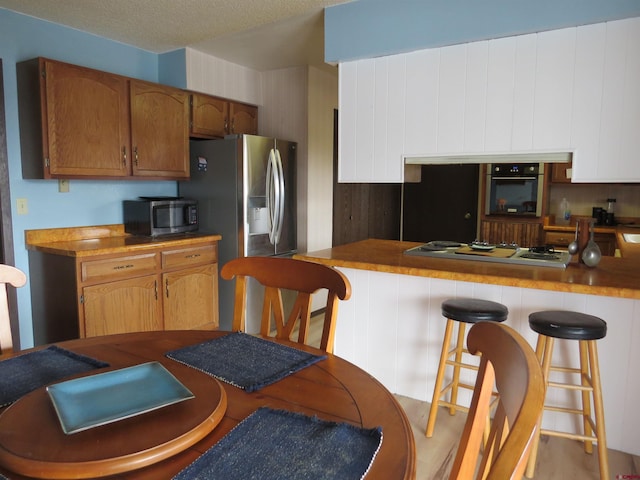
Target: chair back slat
{"x":509,"y":365}
{"x":8,"y":276}
{"x":278,"y":274}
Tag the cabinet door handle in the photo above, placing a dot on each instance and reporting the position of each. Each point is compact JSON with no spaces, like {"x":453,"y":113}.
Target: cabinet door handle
{"x":135,"y":155}
{"x":166,"y":287}
{"x":124,"y":156}
{"x":155,"y":286}
{"x":193,"y":255}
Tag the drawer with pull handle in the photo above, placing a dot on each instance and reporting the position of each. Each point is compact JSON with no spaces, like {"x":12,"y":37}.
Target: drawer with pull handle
{"x":119,"y":267}
{"x":190,"y":256}
{"x":559,"y":239}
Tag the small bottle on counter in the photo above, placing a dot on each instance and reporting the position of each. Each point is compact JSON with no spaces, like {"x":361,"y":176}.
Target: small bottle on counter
{"x":563,"y":216}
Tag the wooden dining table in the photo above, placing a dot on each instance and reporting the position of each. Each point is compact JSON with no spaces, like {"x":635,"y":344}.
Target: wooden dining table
{"x":159,"y":444}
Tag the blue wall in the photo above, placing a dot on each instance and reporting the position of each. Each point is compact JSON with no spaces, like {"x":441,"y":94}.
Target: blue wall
{"x":373,"y":28}
{"x":88,"y":202}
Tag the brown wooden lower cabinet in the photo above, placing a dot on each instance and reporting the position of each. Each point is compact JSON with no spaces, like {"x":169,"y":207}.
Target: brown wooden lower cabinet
{"x":606,"y":241}
{"x":525,"y":234}
{"x":159,"y":289}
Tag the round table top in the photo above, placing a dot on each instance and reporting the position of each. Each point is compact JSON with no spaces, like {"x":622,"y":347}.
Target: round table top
{"x":33,"y":444}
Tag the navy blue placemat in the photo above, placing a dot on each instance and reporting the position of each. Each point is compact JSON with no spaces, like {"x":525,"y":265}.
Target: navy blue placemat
{"x":244,"y":361}
{"x":25,"y":373}
{"x":278,"y":445}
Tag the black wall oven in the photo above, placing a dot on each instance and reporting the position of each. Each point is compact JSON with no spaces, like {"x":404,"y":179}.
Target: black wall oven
{"x":514,"y":189}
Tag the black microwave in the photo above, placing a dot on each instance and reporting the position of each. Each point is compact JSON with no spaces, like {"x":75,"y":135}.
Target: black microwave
{"x":153,"y":216}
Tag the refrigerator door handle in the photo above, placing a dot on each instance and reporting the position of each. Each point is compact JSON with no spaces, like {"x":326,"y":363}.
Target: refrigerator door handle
{"x":281,"y":202}
{"x":273,"y":195}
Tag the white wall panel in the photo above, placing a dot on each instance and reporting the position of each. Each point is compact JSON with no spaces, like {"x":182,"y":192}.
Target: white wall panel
{"x":394,"y":167}
{"x":347,"y":118}
{"x":587,"y":98}
{"x":500,"y":94}
{"x":380,"y":116}
{"x":554,"y":89}
{"x":630,"y":433}
{"x":421,"y":121}
{"x":627,"y":164}
{"x":395,"y":322}
{"x":561,"y":90}
{"x":214,"y":76}
{"x":451,"y":98}
{"x":323,"y":100}
{"x":475,"y":108}
{"x":524,"y":92}
{"x":613,"y":102}
{"x":365,"y":116}
{"x":382,"y":337}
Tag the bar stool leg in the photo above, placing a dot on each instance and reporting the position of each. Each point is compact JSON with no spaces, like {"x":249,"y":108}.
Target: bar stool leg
{"x":433,"y":411}
{"x":603,"y":457}
{"x":544,"y":352}
{"x":456,"y":367}
{"x":585,"y":372}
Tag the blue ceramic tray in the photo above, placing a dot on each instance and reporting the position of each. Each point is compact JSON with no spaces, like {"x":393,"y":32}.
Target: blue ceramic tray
{"x":95,"y":400}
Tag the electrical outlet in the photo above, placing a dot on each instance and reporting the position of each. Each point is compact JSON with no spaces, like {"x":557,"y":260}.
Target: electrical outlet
{"x":22,"y":206}
{"x":63,"y":186}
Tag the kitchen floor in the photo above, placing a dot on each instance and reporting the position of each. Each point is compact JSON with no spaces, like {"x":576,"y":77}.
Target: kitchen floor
{"x":558,"y":458}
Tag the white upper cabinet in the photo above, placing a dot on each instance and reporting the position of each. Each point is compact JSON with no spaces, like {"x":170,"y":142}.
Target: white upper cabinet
{"x":572,"y":90}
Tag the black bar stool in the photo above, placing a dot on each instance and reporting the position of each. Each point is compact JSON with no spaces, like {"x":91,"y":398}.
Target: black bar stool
{"x":586,"y":329}
{"x":460,"y":311}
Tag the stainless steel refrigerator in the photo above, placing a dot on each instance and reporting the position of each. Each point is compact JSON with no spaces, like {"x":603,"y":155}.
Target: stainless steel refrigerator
{"x":245,"y":186}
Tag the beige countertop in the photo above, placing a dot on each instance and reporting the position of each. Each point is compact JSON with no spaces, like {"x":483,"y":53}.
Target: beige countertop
{"x":104,"y":239}
{"x":613,"y":277}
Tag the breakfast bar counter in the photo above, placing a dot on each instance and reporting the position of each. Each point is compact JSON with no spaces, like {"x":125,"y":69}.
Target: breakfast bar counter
{"x":392,"y":326}
{"x":613,"y":277}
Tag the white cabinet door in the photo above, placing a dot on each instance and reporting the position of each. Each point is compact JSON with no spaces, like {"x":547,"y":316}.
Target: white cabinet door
{"x":554,"y":89}
{"x":524,"y":93}
{"x":421,"y":115}
{"x":587,"y":100}
{"x":608,"y":151}
{"x":451,"y":99}
{"x":475,"y":107}
{"x":371,"y":120}
{"x":628,"y":161}
{"x":347,"y":119}
{"x":574,"y":89}
{"x":500,"y":94}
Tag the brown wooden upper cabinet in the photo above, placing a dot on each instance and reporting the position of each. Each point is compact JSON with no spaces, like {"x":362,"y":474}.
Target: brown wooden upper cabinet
{"x":77,"y":122}
{"x":214,"y":117}
{"x":559,"y":172}
{"x":159,"y":130}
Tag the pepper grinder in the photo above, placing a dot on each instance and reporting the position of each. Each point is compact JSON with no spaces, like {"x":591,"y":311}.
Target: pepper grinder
{"x":584,"y":225}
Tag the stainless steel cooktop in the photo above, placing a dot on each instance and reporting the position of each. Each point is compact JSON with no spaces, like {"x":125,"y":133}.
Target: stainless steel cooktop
{"x":481,"y":252}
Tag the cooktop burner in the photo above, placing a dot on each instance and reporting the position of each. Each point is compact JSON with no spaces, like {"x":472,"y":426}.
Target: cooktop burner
{"x":542,"y":256}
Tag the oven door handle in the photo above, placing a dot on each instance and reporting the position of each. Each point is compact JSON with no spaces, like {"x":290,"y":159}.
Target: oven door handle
{"x":514,"y":178}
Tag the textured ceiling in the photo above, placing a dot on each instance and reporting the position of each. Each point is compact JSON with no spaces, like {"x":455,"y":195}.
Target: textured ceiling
{"x":261,"y":34}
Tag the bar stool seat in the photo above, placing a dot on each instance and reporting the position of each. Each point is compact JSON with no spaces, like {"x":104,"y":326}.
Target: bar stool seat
{"x":459,"y":311}
{"x":587,"y":329}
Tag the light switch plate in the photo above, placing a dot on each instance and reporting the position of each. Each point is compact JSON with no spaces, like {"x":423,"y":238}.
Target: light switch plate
{"x":22,"y":207}
{"x":63,"y":186}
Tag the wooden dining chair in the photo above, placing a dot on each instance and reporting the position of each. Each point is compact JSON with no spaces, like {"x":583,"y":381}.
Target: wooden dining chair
{"x":508,"y":363}
{"x":8,"y":276}
{"x":305,"y":278}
